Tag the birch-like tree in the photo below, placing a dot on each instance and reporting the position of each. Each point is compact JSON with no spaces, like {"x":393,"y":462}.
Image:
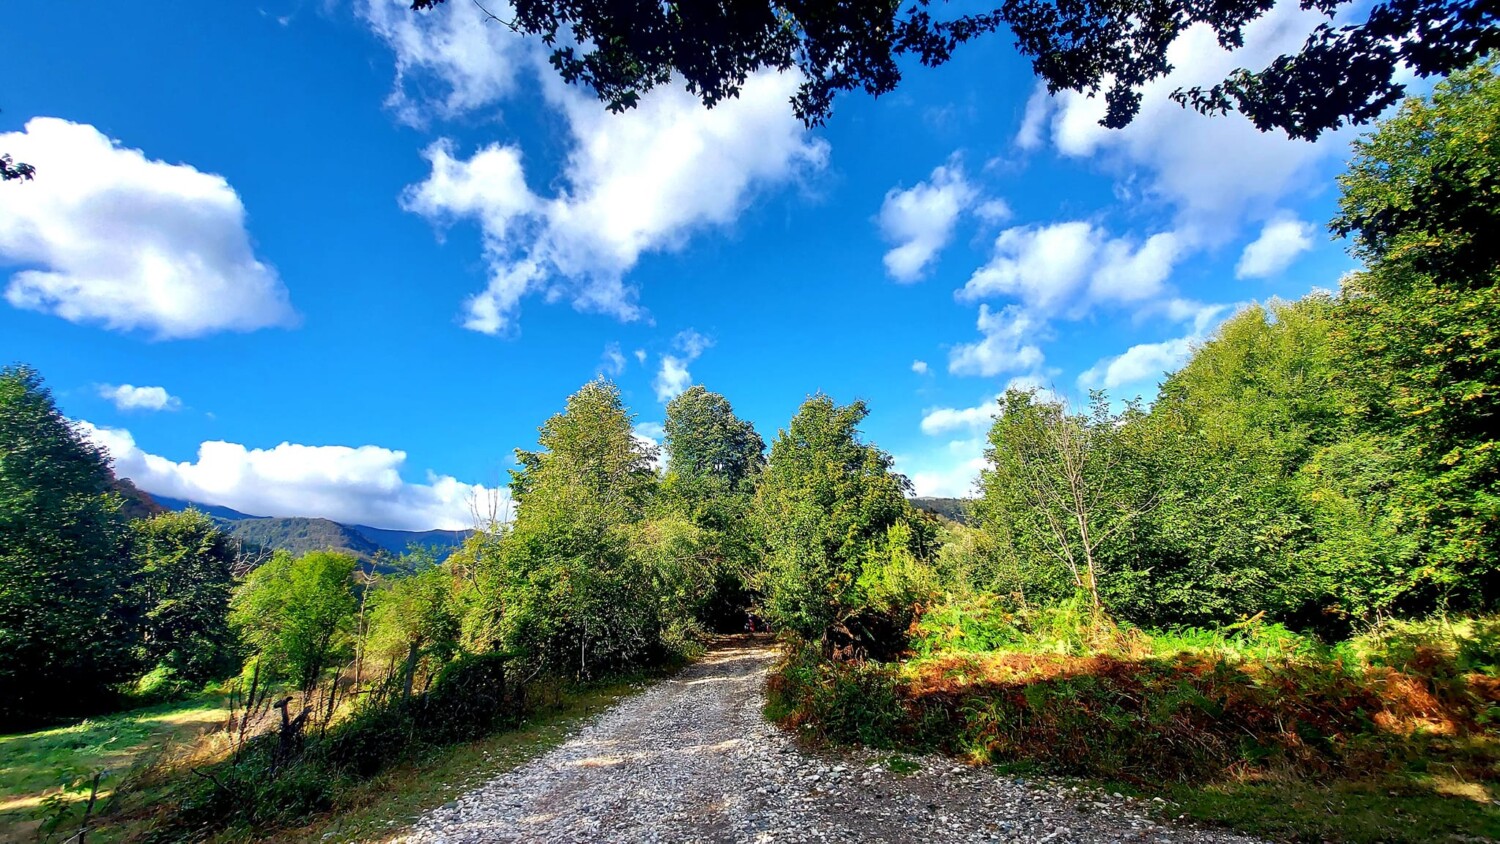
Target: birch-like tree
{"x":1063,"y":485}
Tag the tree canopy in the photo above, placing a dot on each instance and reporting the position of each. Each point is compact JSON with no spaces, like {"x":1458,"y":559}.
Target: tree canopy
{"x":64,"y":618}
{"x":1344,"y":73}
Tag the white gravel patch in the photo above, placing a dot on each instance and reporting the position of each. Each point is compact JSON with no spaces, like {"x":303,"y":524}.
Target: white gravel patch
{"x":693,"y":759}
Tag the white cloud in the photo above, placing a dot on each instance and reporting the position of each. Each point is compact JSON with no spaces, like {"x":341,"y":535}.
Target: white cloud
{"x":1214,"y":172}
{"x":950,"y":473}
{"x":352,"y":485}
{"x":919,"y":367}
{"x":633,"y":183}
{"x":1064,"y":268}
{"x":450,"y":60}
{"x":1127,"y":274}
{"x":130,"y":397}
{"x":994,"y":211}
{"x":112,"y":237}
{"x":673,"y":377}
{"x":920,"y":220}
{"x":1034,"y":122}
{"x":1010,"y":344}
{"x":613,"y":360}
{"x":640,"y":356}
{"x":944,"y":419}
{"x":1146,"y":362}
{"x":1282,"y":239}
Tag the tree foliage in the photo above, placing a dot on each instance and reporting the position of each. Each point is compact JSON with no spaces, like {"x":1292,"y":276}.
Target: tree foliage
{"x":702,"y":526}
{"x":182,"y":586}
{"x":827,"y":505}
{"x":1422,"y":322}
{"x":296,"y":615}
{"x":1062,"y":486}
{"x":1343,"y":73}
{"x":64,"y":571}
{"x":572,"y":594}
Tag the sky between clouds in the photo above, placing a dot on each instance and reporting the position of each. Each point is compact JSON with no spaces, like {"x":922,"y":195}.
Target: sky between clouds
{"x":339,"y":261}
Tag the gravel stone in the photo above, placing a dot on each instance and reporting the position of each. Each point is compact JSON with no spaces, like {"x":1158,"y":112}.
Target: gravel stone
{"x":693,"y":759}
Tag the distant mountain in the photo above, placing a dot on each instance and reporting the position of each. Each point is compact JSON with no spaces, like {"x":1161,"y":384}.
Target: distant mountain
{"x":211,"y":509}
{"x":952,"y":509}
{"x":299,"y":535}
{"x":397,"y":541}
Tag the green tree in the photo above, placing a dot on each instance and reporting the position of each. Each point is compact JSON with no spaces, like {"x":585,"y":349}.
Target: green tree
{"x":573,"y":596}
{"x":1421,"y":323}
{"x":1342,"y":73}
{"x":416,"y":622}
{"x":826,"y":505}
{"x":713,"y":461}
{"x":184,"y":582}
{"x":65,"y":629}
{"x":707,"y":444}
{"x":1230,"y":431}
{"x":1064,"y":488}
{"x":296,"y":614}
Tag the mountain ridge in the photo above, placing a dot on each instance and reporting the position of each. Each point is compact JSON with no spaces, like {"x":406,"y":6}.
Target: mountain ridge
{"x":301,"y":534}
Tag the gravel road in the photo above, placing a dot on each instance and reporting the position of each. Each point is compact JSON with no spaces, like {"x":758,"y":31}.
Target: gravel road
{"x":692,"y":759}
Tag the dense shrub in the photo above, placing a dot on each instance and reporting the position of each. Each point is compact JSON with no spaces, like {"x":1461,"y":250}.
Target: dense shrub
{"x":1204,"y":715}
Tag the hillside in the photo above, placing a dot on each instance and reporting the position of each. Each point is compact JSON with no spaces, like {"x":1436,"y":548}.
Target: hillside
{"x":952,"y":509}
{"x":299,"y":535}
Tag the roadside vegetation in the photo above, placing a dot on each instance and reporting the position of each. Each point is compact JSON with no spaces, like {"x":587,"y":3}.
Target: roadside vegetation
{"x":1268,"y":596}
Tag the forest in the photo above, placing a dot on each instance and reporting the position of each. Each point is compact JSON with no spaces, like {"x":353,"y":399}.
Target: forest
{"x":1280,"y":574}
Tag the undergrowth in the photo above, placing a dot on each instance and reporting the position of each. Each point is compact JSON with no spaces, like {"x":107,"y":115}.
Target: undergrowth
{"x":274,"y":780}
{"x":1252,"y":709}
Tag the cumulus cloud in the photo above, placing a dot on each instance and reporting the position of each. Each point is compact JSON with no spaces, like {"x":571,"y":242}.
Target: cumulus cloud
{"x":1010,"y":344}
{"x":944,"y":419}
{"x":633,"y":183}
{"x":1214,"y":172}
{"x":115,"y":238}
{"x":130,"y":397}
{"x":449,"y":61}
{"x":352,"y":485}
{"x":673,"y":376}
{"x":1281,"y":240}
{"x":919,"y":367}
{"x":1145,"y":362}
{"x":920,"y":220}
{"x":1064,"y":268}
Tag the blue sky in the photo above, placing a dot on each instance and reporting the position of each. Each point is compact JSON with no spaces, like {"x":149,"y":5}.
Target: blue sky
{"x":356,"y":255}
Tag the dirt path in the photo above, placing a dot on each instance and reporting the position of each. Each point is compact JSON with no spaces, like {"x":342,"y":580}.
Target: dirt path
{"x":692,"y":759}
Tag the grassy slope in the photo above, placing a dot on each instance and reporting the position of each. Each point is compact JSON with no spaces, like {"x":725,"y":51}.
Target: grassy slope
{"x":48,"y":761}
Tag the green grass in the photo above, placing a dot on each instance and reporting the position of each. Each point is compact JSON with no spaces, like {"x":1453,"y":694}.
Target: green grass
{"x":1416,"y":811}
{"x":61,"y":760}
